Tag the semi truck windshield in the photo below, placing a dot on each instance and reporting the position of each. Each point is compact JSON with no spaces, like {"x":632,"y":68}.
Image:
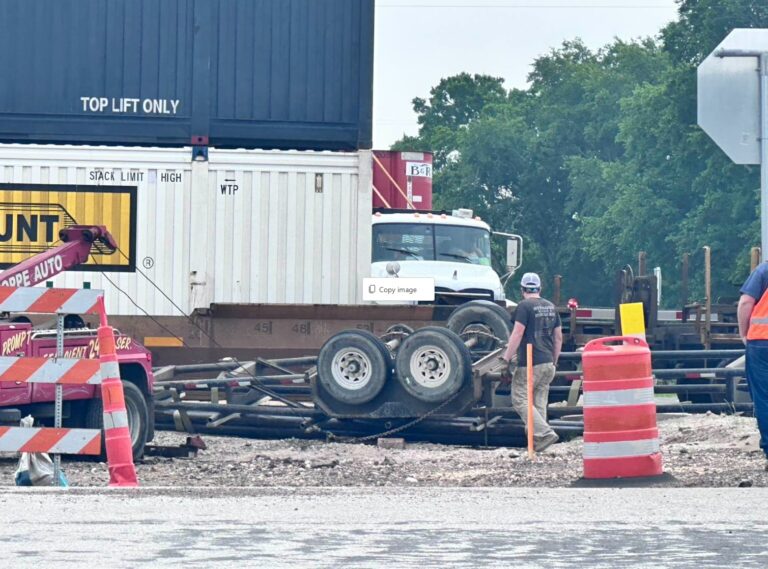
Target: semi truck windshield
{"x":431,"y":242}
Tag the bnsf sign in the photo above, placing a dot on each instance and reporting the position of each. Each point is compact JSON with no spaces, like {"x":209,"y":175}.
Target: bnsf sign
{"x":31,"y":216}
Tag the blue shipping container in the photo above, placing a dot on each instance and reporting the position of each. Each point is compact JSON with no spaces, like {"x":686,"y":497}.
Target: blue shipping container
{"x":287,"y":74}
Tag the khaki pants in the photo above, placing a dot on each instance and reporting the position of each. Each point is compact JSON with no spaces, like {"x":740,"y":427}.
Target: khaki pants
{"x":543,"y":374}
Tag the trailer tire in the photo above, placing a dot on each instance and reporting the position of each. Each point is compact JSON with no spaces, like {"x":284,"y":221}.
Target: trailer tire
{"x":353,"y":366}
{"x":138,"y":419}
{"x":482,"y":316}
{"x":433,"y":364}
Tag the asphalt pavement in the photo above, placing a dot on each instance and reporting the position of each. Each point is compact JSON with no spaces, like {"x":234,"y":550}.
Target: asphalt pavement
{"x":377,"y":527}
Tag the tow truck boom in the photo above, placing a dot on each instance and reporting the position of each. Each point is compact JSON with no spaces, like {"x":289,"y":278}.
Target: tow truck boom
{"x":78,"y":241}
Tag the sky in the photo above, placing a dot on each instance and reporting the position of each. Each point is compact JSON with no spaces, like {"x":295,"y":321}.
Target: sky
{"x":418,"y":42}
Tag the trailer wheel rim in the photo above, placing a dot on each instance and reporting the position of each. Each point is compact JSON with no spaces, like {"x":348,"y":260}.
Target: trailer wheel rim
{"x":351,"y":369}
{"x":134,"y":420}
{"x":430,"y":367}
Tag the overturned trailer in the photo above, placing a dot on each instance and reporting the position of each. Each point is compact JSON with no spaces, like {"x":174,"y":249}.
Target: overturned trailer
{"x":431,"y":384}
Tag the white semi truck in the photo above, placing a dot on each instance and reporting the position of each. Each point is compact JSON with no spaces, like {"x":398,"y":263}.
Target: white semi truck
{"x":454,"y":249}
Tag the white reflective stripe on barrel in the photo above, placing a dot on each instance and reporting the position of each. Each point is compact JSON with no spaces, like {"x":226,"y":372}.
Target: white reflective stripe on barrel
{"x":115,"y":420}
{"x":621,"y":449}
{"x":619,"y":397}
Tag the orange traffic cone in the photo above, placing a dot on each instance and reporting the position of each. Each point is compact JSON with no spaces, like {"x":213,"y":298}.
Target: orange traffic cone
{"x":117,"y":436}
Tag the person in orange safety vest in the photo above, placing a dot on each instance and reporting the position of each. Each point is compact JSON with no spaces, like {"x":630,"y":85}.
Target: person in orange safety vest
{"x":753,"y":329}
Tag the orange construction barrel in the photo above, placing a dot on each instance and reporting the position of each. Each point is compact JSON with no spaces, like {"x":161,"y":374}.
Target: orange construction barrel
{"x":621,"y":439}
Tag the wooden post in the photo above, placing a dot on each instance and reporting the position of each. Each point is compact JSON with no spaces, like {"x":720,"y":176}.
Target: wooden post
{"x":754,"y":258}
{"x":641,"y":264}
{"x":556,"y":291}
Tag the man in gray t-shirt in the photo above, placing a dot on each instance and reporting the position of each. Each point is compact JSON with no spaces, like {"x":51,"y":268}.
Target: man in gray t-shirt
{"x":538,"y":323}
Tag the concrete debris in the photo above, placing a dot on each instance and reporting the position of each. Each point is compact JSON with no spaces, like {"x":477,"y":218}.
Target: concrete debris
{"x":699,"y":450}
{"x":391,"y":443}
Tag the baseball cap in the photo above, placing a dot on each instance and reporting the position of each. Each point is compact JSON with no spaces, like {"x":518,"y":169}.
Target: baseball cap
{"x":530,"y":280}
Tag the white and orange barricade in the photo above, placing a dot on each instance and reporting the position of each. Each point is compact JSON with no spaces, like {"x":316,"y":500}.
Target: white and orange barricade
{"x":621,"y":439}
{"x":50,"y":300}
{"x":61,"y":371}
{"x":50,"y":440}
{"x":68,"y":371}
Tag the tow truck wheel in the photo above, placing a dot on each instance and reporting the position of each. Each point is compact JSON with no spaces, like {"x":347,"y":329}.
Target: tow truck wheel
{"x":138,"y":418}
{"x":353,"y":366}
{"x":433,"y":364}
{"x":483,"y":320}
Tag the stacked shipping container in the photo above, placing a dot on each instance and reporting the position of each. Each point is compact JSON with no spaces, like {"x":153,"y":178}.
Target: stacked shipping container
{"x":403,"y":180}
{"x":290,"y":74}
{"x":151,"y":77}
{"x":246,"y":226}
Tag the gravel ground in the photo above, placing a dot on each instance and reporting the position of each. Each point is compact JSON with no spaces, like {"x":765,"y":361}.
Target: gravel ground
{"x":699,"y":451}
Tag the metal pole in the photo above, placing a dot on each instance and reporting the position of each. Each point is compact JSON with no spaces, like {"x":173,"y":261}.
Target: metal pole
{"x":59,"y":397}
{"x":764,"y":153}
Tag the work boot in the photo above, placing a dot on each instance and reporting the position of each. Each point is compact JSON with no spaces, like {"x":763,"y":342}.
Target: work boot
{"x":545,"y":442}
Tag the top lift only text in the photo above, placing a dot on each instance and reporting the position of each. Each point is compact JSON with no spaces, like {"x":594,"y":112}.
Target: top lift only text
{"x":131,"y":106}
{"x":398,"y":289}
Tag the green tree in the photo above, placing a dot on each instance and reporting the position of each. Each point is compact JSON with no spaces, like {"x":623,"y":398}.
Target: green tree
{"x":686,"y":192}
{"x":601,"y":156}
{"x":703,"y":24}
{"x":453,"y":104}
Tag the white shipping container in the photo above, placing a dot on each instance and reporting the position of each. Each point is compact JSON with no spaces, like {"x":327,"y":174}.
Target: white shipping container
{"x":246,"y":226}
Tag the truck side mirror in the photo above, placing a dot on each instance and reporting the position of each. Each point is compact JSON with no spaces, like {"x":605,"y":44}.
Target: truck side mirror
{"x":514,"y":252}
